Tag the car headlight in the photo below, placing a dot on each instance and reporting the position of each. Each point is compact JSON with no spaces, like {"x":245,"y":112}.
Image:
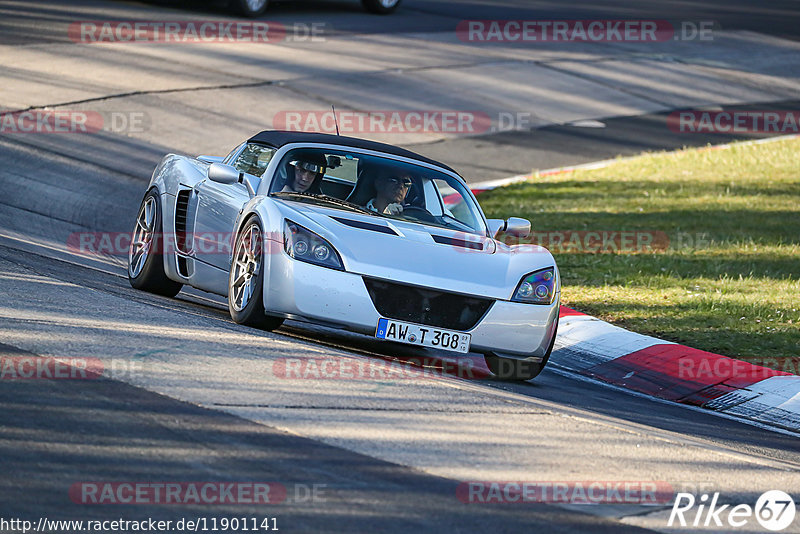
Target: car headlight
{"x":537,"y":288}
{"x":304,"y":245}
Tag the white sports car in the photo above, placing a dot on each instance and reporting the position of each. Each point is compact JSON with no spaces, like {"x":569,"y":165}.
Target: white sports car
{"x":353,"y":234}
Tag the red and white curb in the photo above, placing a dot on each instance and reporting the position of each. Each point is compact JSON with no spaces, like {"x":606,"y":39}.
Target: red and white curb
{"x":596,"y":349}
{"x":599,"y":350}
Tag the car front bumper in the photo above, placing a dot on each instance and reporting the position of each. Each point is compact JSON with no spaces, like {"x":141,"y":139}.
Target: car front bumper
{"x":302,"y":291}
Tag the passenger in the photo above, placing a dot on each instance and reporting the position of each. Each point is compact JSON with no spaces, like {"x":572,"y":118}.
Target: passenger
{"x":308,"y":173}
{"x":390,"y":192}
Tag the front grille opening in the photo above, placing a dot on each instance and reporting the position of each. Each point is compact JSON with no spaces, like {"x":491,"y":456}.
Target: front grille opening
{"x":426,"y":306}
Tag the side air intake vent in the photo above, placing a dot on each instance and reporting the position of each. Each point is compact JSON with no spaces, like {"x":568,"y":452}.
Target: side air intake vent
{"x":443,"y":240}
{"x":181,"y":213}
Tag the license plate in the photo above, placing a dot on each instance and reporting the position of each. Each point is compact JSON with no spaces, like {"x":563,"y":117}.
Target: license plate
{"x":426,"y":336}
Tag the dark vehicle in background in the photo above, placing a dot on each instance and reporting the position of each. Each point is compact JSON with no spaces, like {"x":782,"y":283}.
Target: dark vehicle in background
{"x":254,"y":8}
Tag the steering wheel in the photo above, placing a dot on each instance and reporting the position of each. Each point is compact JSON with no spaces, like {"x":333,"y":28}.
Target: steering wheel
{"x":418,"y":213}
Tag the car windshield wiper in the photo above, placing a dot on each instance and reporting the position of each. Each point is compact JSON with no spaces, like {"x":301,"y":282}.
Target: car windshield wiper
{"x":324,"y":198}
{"x":340,"y":202}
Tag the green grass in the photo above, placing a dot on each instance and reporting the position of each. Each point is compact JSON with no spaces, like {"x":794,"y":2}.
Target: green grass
{"x":735,"y":290}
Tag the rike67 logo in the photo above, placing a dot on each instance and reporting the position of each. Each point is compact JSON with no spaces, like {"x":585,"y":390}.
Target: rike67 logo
{"x":774,"y":511}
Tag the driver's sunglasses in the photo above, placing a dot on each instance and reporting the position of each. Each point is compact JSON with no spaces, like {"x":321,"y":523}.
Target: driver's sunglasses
{"x":405,"y":182}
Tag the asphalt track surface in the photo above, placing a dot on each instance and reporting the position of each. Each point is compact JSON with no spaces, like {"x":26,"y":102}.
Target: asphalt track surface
{"x":54,"y":433}
{"x":779,"y":18}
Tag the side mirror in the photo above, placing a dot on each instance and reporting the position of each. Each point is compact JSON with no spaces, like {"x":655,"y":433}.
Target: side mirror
{"x":513,"y":226}
{"x":222,"y":174}
{"x":518,"y":227}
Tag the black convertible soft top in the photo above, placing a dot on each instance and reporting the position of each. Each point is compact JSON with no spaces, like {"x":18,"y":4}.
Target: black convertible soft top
{"x":278,"y":138}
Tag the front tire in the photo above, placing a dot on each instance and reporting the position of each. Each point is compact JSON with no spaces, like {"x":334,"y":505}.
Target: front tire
{"x":380,"y":7}
{"x":522,"y":370}
{"x":246,"y":279}
{"x":250,"y":8}
{"x":145,"y":254}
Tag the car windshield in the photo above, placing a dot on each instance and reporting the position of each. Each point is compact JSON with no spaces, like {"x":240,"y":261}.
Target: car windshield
{"x":377,"y":186}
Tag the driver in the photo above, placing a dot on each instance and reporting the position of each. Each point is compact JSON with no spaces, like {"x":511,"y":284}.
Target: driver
{"x":308,"y":173}
{"x":390,"y":192}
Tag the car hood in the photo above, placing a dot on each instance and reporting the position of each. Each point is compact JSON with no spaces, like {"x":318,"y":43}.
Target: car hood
{"x":419,"y":254}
